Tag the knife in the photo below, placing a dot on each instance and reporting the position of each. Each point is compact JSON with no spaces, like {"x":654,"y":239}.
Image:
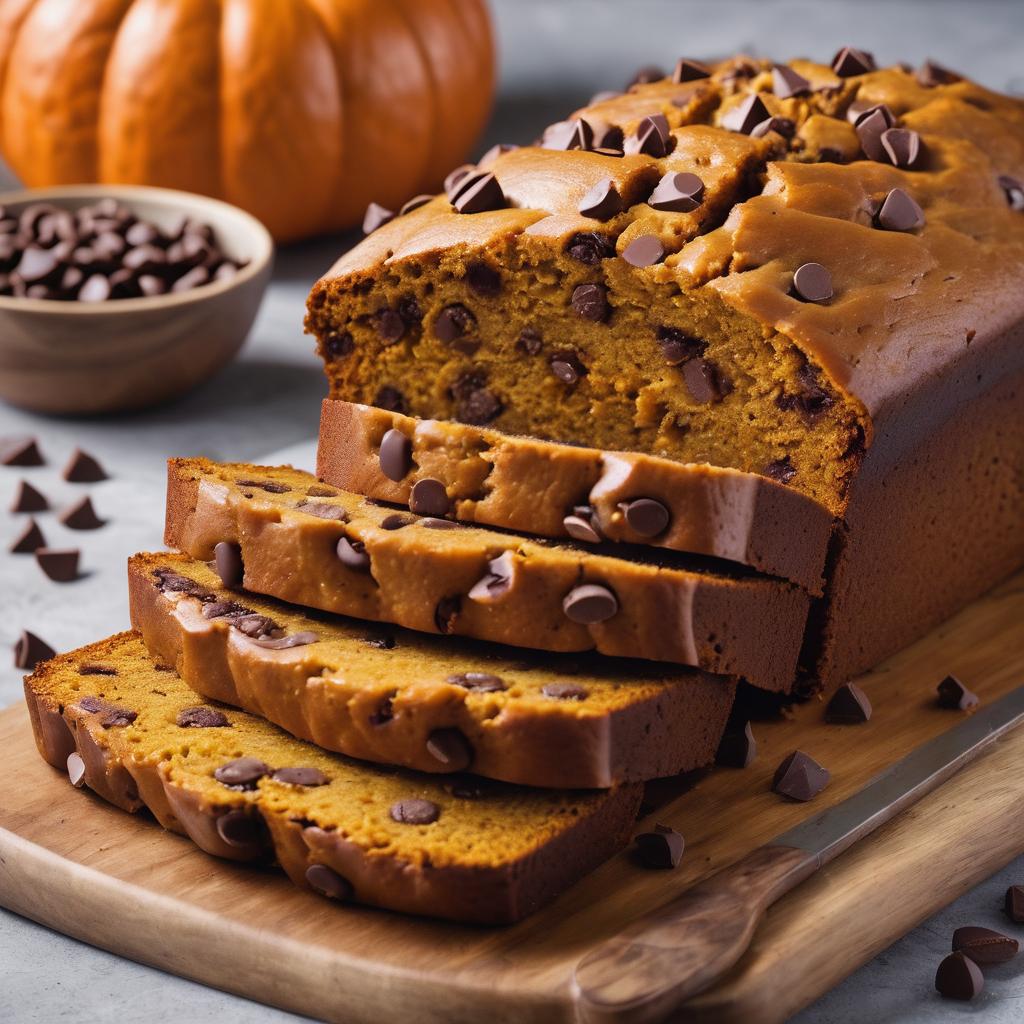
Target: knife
{"x":678,"y":950}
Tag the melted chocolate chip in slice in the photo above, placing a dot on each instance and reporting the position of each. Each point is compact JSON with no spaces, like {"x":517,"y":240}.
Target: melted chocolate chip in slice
{"x":954,"y":696}
{"x":786,"y":82}
{"x":241,"y":829}
{"x":481,"y":682}
{"x":602,"y":202}
{"x":781,"y":470}
{"x":283,"y":643}
{"x":590,"y":302}
{"x":242,"y":773}
{"x":590,"y":247}
{"x":352,"y":554}
{"x":82,"y":468}
{"x":227,"y":560}
{"x":450,"y":748}
{"x":567,"y":366}
{"x":81,"y":516}
{"x":662,"y":848}
{"x":984,"y":946}
{"x":849,"y":706}
{"x":300,"y":776}
{"x":395,"y":455}
{"x":959,"y":977}
{"x":20,"y":451}
{"x":564,"y":691}
{"x":745,"y":117}
{"x":28,"y":499}
{"x":812,"y":283}
{"x":646,"y":517}
{"x":390,"y":326}
{"x":118,"y":717}
{"x":396,"y":521}
{"x":92,"y":668}
{"x":497,"y":582}
{"x":800,"y":777}
{"x":270,"y":486}
{"x":327,"y":882}
{"x":376,"y":216}
{"x":581,"y":528}
{"x":202,"y":717}
{"x":589,"y":604}
{"x":454,"y":322}
{"x":446,"y":614}
{"x":429,"y":497}
{"x":849,"y":62}
{"x":737,"y":748}
{"x":323,"y":510}
{"x":414,"y":811}
{"x":30,"y":540}
{"x":59,"y":564}
{"x":705,"y":381}
{"x":483,"y":280}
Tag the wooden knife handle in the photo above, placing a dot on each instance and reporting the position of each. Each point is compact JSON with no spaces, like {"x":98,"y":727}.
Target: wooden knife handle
{"x":673,"y":953}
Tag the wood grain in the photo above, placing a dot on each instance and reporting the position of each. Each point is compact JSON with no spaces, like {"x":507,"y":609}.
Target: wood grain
{"x":84,"y":868}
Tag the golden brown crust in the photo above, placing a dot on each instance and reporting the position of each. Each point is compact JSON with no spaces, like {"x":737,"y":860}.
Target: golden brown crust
{"x":486,"y":584}
{"x":531,"y":486}
{"x":559,"y":837}
{"x":616,"y":725}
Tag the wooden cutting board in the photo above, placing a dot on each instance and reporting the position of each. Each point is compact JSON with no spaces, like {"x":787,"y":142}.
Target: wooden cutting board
{"x":75,"y":864}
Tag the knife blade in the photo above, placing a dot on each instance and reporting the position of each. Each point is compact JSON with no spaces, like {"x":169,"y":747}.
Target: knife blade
{"x":671,"y":954}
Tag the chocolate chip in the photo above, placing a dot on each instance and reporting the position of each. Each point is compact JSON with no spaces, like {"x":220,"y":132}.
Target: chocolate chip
{"x":222,"y":609}
{"x":446,"y":613}
{"x":931,"y":74}
{"x":781,"y":470}
{"x":899,"y":212}
{"x":82,"y":468}
{"x":385,"y":709}
{"x":737,"y":748}
{"x":414,"y":204}
{"x":800,"y":777}
{"x":652,"y":137}
{"x":475,"y":404}
{"x":453,"y":177}
{"x":317,"y":491}
{"x":590,"y":247}
{"x":453,"y":322}
{"x":115,"y":717}
{"x":76,"y":770}
{"x":983,"y":945}
{"x":958,"y":977}
{"x":30,"y":539}
{"x":602,"y":202}
{"x":414,"y":811}
{"x":498,"y":149}
{"x":81,"y":516}
{"x":678,"y":192}
{"x":644,"y":251}
{"x":282,"y":643}
{"x":529,"y":341}
{"x":1013,"y":189}
{"x":688,"y":70}
{"x":337,"y":346}
{"x":390,"y":326}
{"x":558,"y":135}
{"x":849,"y":706}
{"x":677,"y":346}
{"x":30,"y":650}
{"x":255,"y":626}
{"x":590,"y":301}
{"x":567,"y":366}
{"x":705,"y":381}
{"x":432,"y":523}
{"x":646,"y":516}
{"x":429,"y":498}
{"x":227,"y":560}
{"x":329,"y":883}
{"x":93,"y":668}
{"x":902,"y":147}
{"x":812,"y":283}
{"x":1013,"y":903}
{"x":662,"y":848}
{"x":745,"y":117}
{"x":498,"y":580}
{"x":300,"y":776}
{"x":352,"y":554}
{"x":241,"y":829}
{"x":395,"y":455}
{"x":391,"y":399}
{"x":20,"y":451}
{"x":451,"y":748}
{"x":61,"y":565}
{"x":271,"y":486}
{"x":645,"y":75}
{"x":478,"y":192}
{"x":396,"y":521}
{"x":954,"y":696}
{"x":581,"y":528}
{"x":564,"y":691}
{"x":242,"y":773}
{"x":467,"y":787}
{"x":28,"y":499}
{"x":483,"y":279}
{"x":811,"y":399}
{"x":786,"y":82}
{"x":482,"y":682}
{"x":786,"y":127}
{"x":589,"y":604}
{"x":201,"y":718}
{"x":376,"y":216}
{"x":849,"y":62}
{"x":323,"y":510}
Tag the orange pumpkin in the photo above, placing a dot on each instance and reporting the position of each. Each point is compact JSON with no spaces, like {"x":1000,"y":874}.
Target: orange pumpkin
{"x":300,"y":111}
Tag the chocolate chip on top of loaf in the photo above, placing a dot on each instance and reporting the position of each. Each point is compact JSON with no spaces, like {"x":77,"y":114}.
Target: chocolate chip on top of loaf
{"x":731,"y":268}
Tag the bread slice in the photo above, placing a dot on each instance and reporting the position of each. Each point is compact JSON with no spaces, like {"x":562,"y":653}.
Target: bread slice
{"x":460,"y":848}
{"x":285,"y":527}
{"x":541,"y":487}
{"x":423,"y":702}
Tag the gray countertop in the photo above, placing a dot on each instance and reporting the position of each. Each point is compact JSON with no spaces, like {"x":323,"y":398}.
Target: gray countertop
{"x":554,"y":55}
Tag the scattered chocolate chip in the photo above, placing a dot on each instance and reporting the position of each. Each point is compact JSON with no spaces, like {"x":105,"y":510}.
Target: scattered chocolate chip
{"x":300,"y":776}
{"x":590,"y":301}
{"x":283,"y":643}
{"x":475,"y":403}
{"x":662,"y":848}
{"x":1013,"y":189}
{"x":451,"y":748}
{"x":391,"y":399}
{"x":352,"y":554}
{"x":433,"y":523}
{"x":589,"y":604}
{"x":483,"y":279}
{"x":453,"y":177}
{"x":227,"y":560}
{"x":318,"y":491}
{"x":116,"y":717}
{"x":786,"y":127}
{"x":602,"y":202}
{"x":745,"y":117}
{"x":590,"y":247}
{"x":82,"y":468}
{"x":498,"y":149}
{"x":222,"y":609}
{"x":323,"y":510}
{"x":92,"y":668}
{"x":931,"y":74}
{"x":327,"y":882}
{"x":395,"y":455}
{"x":677,"y":346}
{"x":81,"y":516}
{"x":902,"y":147}
{"x":529,"y":341}
{"x":396,"y":521}
{"x":954,"y":696}
{"x":239,"y":828}
{"x":870,"y":127}
{"x":385,"y":710}
{"x":564,"y":691}
{"x":414,"y":204}
{"x":849,"y":62}
{"x":478,"y":192}
{"x":414,"y":811}
{"x":581,"y":528}
{"x":644,"y":251}
{"x":202,"y":718}
{"x":781,"y":470}
{"x":646,"y":516}
{"x":29,"y":651}
{"x":76,"y":770}
{"x":28,"y":499}
{"x":984,"y":946}
{"x":651,"y":138}
{"x":849,"y":706}
{"x":20,"y":451}
{"x":811,"y":400}
{"x":497,"y":581}
{"x":689,"y":70}
{"x":645,"y":75}
{"x":482,"y":682}
{"x":453,"y":322}
{"x":800,"y":777}
{"x":271,"y":486}
{"x":390,"y":326}
{"x":737,"y":748}
{"x":1013,"y":903}
{"x":445,"y":614}
{"x":429,"y":498}
{"x":338,"y":345}
{"x":376,"y":216}
{"x":705,"y":381}
{"x":786,"y":82}
{"x":567,"y":366}
{"x":255,"y":625}
{"x":30,"y":539}
{"x":812,"y":283}
{"x":242,"y":773}
{"x":958,"y":977}
{"x":899,"y":212}
{"x":60,"y":565}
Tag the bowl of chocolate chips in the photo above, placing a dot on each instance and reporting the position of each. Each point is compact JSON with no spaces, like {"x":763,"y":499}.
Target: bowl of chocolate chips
{"x":120,"y":297}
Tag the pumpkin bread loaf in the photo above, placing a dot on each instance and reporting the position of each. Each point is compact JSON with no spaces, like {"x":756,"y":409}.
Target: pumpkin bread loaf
{"x":566,"y":491}
{"x":808,"y":272}
{"x":279,"y":532}
{"x":423,"y":702}
{"x":458,"y":847}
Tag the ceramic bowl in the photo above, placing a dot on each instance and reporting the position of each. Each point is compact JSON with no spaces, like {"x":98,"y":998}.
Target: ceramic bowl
{"x":93,"y":357}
